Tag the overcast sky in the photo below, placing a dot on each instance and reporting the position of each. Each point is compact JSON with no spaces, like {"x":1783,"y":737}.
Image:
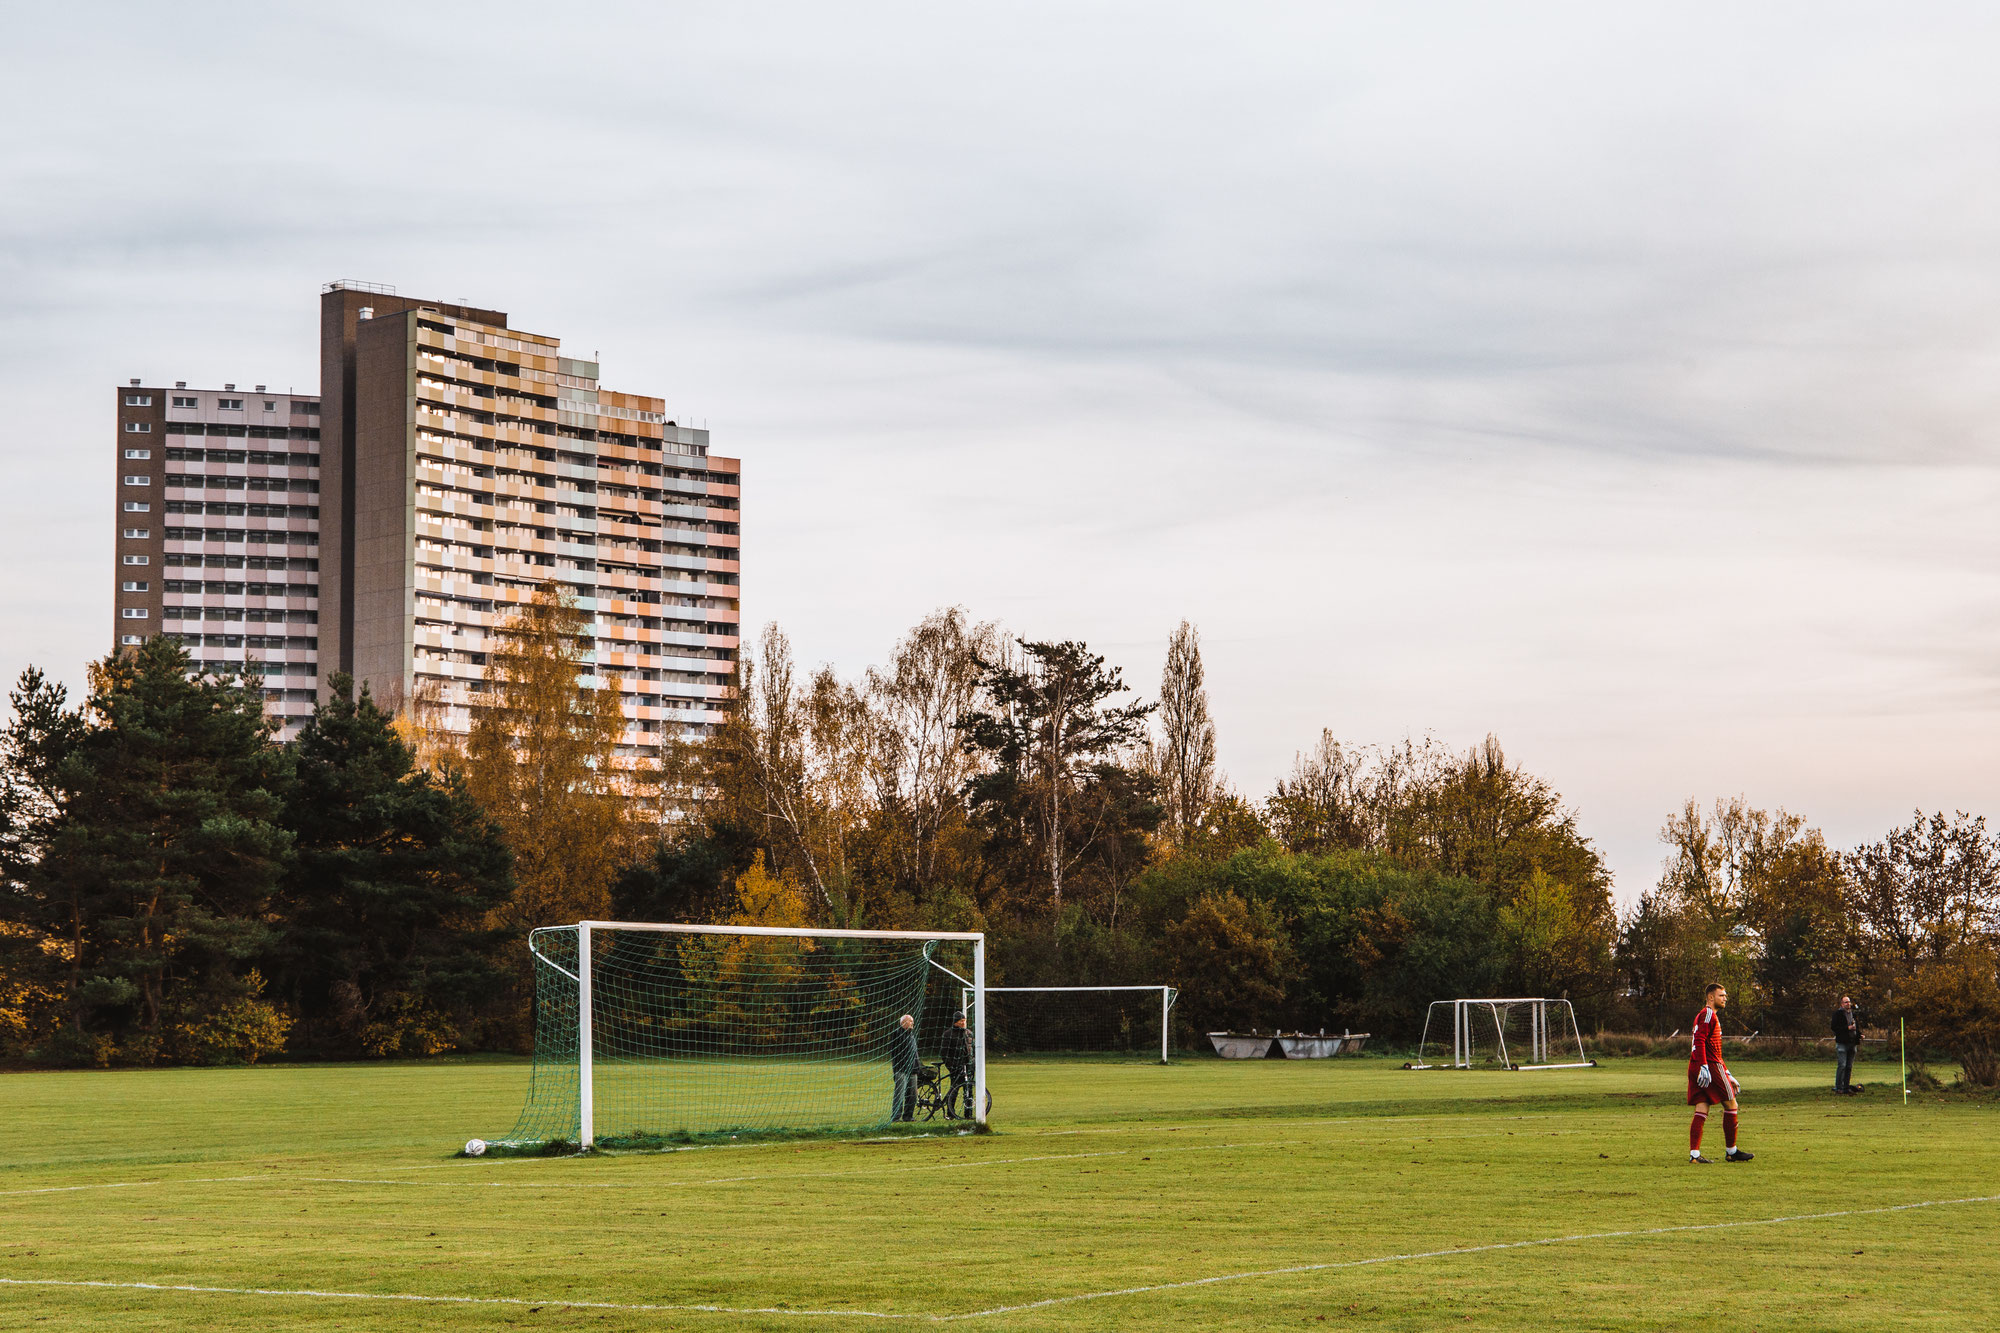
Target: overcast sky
{"x":1619,"y":382}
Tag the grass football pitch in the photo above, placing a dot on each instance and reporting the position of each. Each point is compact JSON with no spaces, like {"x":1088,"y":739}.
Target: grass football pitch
{"x":1204,"y":1195}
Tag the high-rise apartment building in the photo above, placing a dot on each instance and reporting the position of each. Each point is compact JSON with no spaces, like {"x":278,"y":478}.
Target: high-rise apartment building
{"x":218,"y":524}
{"x":467,"y":463}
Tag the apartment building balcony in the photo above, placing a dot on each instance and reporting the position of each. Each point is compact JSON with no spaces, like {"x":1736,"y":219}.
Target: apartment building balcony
{"x":464,"y":640}
{"x":445,"y":670}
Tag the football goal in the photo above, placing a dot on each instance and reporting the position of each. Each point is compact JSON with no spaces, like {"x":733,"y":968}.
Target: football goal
{"x":1531,"y":1033}
{"x":1078,"y":1020}
{"x":646,"y":1033}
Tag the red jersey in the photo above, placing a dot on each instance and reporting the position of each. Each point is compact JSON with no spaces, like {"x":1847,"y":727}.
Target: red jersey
{"x":1707,"y":1054}
{"x":1707,"y":1042}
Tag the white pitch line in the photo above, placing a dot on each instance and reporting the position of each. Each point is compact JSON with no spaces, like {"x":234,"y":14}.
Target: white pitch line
{"x":931,"y":1318}
{"x":140,"y":1184}
{"x":434,"y":1300}
{"x":1442,"y":1254}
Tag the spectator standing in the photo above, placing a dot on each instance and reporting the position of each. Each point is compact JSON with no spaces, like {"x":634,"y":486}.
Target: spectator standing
{"x":903,"y":1064}
{"x":1846,"y":1040}
{"x":958,"y":1063}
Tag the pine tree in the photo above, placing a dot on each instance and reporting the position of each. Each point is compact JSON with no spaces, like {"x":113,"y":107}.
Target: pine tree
{"x":385,"y":947}
{"x":43,"y":732}
{"x":1053,"y":737}
{"x":158,"y":873}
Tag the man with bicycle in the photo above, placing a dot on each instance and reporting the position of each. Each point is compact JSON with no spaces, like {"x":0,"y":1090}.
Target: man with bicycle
{"x":958,"y":1064}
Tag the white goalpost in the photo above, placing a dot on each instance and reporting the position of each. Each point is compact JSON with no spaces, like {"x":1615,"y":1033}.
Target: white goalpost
{"x":648,"y":1032}
{"x":1078,"y":1019}
{"x":1531,"y":1032}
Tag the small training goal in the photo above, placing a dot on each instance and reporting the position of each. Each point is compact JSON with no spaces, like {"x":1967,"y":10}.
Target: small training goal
{"x":1130,"y":1021}
{"x":649,"y":1033}
{"x":1527,"y":1033}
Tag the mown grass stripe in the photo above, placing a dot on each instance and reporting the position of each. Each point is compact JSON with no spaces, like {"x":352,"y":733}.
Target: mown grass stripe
{"x":998,"y":1310}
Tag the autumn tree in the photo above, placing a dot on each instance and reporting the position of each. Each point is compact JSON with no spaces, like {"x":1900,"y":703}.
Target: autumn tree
{"x":1324,"y":804}
{"x":1231,"y":961}
{"x":1756,"y":900}
{"x":542,"y":760}
{"x":1953,"y":1003}
{"x":1492,"y":821}
{"x":1184,"y":757}
{"x":792,"y":763}
{"x":1927,"y":888}
{"x":919,"y":764}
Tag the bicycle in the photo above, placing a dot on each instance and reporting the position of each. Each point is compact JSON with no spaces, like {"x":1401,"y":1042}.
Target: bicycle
{"x":938,"y":1092}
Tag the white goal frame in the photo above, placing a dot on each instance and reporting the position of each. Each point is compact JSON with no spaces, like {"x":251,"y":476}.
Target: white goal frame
{"x":1540,"y":1030}
{"x":586,"y":1057}
{"x":1168,"y":994}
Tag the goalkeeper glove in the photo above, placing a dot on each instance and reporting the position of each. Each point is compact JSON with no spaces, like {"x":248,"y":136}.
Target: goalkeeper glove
{"x":1702,"y":1079}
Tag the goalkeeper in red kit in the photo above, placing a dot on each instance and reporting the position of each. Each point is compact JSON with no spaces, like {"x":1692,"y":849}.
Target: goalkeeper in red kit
{"x":1709,"y":1081}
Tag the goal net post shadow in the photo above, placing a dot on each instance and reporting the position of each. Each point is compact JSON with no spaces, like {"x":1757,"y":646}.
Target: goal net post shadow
{"x":1078,"y":1020}
{"x":1531,"y":1032}
{"x":651,"y":1032}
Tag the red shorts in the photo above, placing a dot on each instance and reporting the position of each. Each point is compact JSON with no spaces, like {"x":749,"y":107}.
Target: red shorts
{"x":1716,"y":1093}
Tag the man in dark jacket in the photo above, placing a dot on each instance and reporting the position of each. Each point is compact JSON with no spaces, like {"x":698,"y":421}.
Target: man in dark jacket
{"x":903,"y":1064}
{"x":958,"y":1063}
{"x":1846,"y":1039}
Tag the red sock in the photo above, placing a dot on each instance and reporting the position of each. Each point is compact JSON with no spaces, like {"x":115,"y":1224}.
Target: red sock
{"x":1729,"y":1129}
{"x":1694,"y":1131}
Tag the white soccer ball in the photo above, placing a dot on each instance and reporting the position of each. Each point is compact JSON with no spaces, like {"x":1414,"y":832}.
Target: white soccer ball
{"x":475,"y":1147}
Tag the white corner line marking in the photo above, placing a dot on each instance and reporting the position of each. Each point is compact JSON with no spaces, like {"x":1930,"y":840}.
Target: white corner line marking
{"x":928,"y":1318}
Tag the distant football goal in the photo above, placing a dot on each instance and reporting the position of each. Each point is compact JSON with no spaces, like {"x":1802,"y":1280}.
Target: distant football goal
{"x":647,"y":1032}
{"x":1133,"y":1021}
{"x":1529,"y":1033}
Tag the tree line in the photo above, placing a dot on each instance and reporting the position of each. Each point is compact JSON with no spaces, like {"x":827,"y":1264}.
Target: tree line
{"x":175,"y":886}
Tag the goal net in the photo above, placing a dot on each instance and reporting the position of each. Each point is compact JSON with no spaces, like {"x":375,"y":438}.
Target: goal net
{"x":1129,"y":1021}
{"x":649,"y":1033}
{"x":1530,"y":1033}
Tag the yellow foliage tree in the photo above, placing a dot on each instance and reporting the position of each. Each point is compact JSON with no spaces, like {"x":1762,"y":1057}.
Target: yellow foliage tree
{"x":541,"y":760}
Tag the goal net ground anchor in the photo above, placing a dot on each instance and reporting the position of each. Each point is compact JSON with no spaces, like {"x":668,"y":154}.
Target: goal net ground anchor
{"x":1521,"y":1033}
{"x":653,"y":1035}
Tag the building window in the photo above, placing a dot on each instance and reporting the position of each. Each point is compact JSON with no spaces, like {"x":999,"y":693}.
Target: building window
{"x":138,"y":534}
{"x":138,"y":428}
{"x":138,"y":560}
{"x":138,"y":453}
{"x":138,"y":507}
{"x":134,"y":613}
{"x":229,"y":404}
{"x":137,"y":479}
{"x":185,"y":402}
{"x":309,"y":409}
{"x":132,"y":585}
{"x":128,"y":639}
{"x":138,"y":400}
{"x":270,"y":405}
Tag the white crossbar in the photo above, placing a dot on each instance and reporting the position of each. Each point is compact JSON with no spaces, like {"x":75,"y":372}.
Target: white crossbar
{"x":678,"y":929}
{"x":1027,"y":989}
